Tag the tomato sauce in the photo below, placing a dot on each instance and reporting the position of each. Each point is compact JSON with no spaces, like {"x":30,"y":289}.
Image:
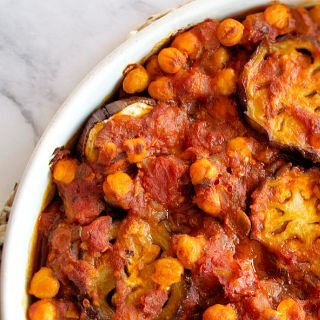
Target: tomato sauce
{"x":157,"y":224}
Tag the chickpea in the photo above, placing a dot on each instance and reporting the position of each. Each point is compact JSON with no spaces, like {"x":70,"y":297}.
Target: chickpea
{"x":189,"y":250}
{"x":220,"y":58}
{"x":278,"y":15}
{"x":171,"y":60}
{"x":153,"y":67}
{"x":44,"y":284}
{"x":136,"y":80}
{"x":226,"y":82}
{"x":42,"y":310}
{"x":136,"y":149}
{"x":64,"y":170}
{"x":219,"y":312}
{"x":209,"y":202}
{"x":202,"y":169}
{"x":230,"y":32}
{"x":187,"y":42}
{"x":117,"y":186}
{"x":239,"y":146}
{"x":161,"y":89}
{"x":315,"y":14}
{"x":290,"y":308}
{"x":286,"y":305}
{"x":167,"y":271}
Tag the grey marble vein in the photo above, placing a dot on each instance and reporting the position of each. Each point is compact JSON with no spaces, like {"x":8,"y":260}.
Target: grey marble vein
{"x":27,"y":114}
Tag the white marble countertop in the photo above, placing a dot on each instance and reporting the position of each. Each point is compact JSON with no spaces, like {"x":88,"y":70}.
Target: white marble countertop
{"x":46,"y":48}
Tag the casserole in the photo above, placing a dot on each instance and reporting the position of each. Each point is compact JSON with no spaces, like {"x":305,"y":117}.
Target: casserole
{"x":90,"y":93}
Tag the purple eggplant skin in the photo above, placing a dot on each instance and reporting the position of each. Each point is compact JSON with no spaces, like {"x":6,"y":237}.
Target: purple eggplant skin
{"x":104,"y":113}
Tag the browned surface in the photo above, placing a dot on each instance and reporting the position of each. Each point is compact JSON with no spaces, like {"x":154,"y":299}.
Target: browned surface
{"x":281,"y":83}
{"x":114,"y":246}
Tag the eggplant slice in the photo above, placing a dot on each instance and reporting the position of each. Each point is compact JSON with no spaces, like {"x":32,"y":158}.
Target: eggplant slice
{"x":134,"y":106}
{"x":281,"y":93}
{"x":285,"y":216}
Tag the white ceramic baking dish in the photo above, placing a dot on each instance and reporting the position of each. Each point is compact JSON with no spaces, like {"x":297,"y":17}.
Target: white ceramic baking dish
{"x":84,"y":99}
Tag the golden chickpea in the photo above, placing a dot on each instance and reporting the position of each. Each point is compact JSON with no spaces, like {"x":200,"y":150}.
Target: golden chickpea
{"x":209,"y":202}
{"x":230,"y":32}
{"x":187,"y":42}
{"x":278,"y":15}
{"x":116,"y":186}
{"x":202,"y":169}
{"x":290,"y":308}
{"x":167,"y":271}
{"x":64,"y":170}
{"x":219,"y":312}
{"x":240,"y":147}
{"x":315,"y":14}
{"x":44,"y":284}
{"x":171,"y":60}
{"x":220,"y":58}
{"x":286,"y":305}
{"x":226,"y":82}
{"x":42,"y":310}
{"x":135,"y":149}
{"x":136,"y":80}
{"x":161,"y":89}
{"x":189,"y":250}
{"x":153,"y":67}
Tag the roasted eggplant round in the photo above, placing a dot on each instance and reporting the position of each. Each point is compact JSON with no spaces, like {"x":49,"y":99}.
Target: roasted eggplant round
{"x":285,"y":216}
{"x":134,"y":106}
{"x":281,"y":96}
